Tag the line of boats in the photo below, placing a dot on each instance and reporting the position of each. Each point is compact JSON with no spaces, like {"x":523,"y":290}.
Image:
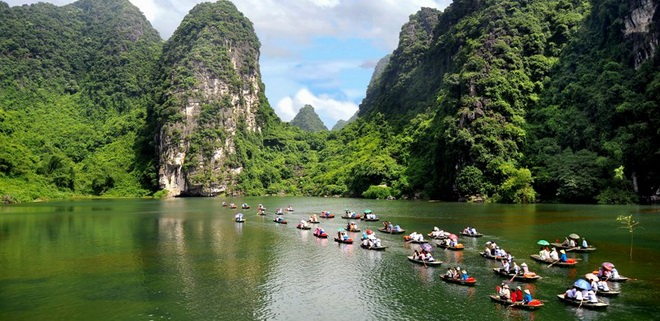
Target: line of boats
{"x":445,"y":239}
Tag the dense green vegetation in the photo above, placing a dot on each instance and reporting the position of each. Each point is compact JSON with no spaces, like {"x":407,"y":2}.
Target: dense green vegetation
{"x":498,"y":100}
{"x":74,"y":84}
{"x":308,"y":120}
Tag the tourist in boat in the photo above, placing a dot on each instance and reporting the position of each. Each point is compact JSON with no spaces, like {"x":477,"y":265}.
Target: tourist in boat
{"x":238,"y":217}
{"x":516,"y":268}
{"x":313,"y":218}
{"x":303,"y":223}
{"x":519,"y":294}
{"x":544,"y":254}
{"x":584,"y":243}
{"x":427,"y":256}
{"x":450,"y":273}
{"x":506,"y":266}
{"x":487,"y":249}
{"x":415,"y":255}
{"x":527,"y":298}
{"x":224,"y":203}
{"x":563,"y":257}
{"x":464,"y":275}
{"x":571,"y":293}
{"x":553,"y":255}
{"x":279,"y":218}
{"x":504,"y":293}
{"x":599,"y":285}
{"x":279,"y":211}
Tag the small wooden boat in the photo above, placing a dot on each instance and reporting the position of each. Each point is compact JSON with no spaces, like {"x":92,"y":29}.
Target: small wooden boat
{"x":303,"y":227}
{"x":261,"y":213}
{"x":232,"y":206}
{"x":338,"y":240}
{"x":621,"y":278}
{"x":373,"y":248}
{"x":355,"y":230}
{"x":519,"y":277}
{"x":534,"y":305}
{"x":384,"y":230}
{"x":347,"y":217}
{"x":574,"y":249}
{"x":327,"y":215}
{"x":472,"y":235}
{"x":469,"y":282}
{"x":240,"y":220}
{"x":570,"y":263}
{"x":312,"y":222}
{"x":609,"y":293}
{"x":245,"y":206}
{"x":422,"y":262}
{"x":584,"y":304}
{"x":458,"y":247}
{"x":280,"y":222}
{"x":370,"y":219}
{"x":490,"y":257}
{"x":321,"y":235}
{"x":289,"y":209}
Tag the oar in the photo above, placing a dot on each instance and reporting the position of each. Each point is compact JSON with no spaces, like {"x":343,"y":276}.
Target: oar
{"x":514,"y":276}
{"x":553,"y":263}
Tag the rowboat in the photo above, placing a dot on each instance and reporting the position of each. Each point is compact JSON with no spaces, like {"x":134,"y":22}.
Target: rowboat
{"x":340,"y":240}
{"x":490,"y":257}
{"x":534,"y":305}
{"x":469,"y":282}
{"x":312,"y":222}
{"x":261,"y":213}
{"x":303,"y":227}
{"x":242,"y":220}
{"x":384,"y":230}
{"x":584,"y":304}
{"x":458,"y":247}
{"x":321,"y":235}
{"x":427,"y":263}
{"x":374,"y":248}
{"x":328,"y":215}
{"x":370,"y":219}
{"x":574,"y":249}
{"x":347,"y":217}
{"x":355,"y":230}
{"x":621,"y":278}
{"x":280,"y":222}
{"x":472,"y":235}
{"x":570,"y":263}
{"x":518,"y":277}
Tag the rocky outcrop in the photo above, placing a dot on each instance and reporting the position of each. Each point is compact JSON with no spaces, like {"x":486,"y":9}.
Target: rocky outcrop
{"x":639,"y":27}
{"x":212,"y":97}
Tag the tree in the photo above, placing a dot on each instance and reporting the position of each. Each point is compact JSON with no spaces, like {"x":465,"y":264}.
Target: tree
{"x":628,"y":223}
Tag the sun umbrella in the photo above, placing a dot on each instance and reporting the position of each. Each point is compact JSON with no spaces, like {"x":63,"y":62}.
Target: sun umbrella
{"x":453,"y":236}
{"x":582,"y":284}
{"x":608,"y":266}
{"x":591,"y":276}
{"x":367,"y":211}
{"x":426,"y":247}
{"x":574,"y":236}
{"x":543,"y":242}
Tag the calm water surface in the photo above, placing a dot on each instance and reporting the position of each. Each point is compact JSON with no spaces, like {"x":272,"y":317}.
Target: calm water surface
{"x":185,"y":259}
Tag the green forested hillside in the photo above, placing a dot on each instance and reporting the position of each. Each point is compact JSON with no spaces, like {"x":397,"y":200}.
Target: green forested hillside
{"x":498,"y":100}
{"x":74,"y":84}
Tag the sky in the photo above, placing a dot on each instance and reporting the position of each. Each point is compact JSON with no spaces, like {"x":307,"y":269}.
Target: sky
{"x":316,"y":52}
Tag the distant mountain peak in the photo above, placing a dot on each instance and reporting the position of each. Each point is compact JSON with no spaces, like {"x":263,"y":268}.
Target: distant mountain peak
{"x":308,"y":120}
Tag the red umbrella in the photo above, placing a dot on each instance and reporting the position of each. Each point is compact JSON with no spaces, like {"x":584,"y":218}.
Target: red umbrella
{"x":608,"y":266}
{"x":453,"y":236}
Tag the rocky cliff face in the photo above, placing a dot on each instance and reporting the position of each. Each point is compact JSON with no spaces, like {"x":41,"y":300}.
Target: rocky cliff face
{"x":641,"y":26}
{"x":212,"y":95}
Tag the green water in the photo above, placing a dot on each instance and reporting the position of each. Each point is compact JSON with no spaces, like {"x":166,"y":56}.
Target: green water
{"x":185,"y":259}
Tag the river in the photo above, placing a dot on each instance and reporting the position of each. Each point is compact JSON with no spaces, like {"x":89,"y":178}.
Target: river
{"x":185,"y":259}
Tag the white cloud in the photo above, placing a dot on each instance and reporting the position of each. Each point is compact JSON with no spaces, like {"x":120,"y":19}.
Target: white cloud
{"x":330,"y":110}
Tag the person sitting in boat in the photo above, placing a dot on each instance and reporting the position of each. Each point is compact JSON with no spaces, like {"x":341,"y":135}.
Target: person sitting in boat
{"x":589,"y":295}
{"x":544,"y":254}
{"x":571,"y":293}
{"x":599,"y":285}
{"x":504,"y":293}
{"x":615,"y":273}
{"x":516,"y":268}
{"x":553,"y":255}
{"x":563,"y":257}
{"x":279,"y":218}
{"x":450,"y":273}
{"x":466,"y":230}
{"x":238,"y":217}
{"x":487,"y":249}
{"x":303,"y":223}
{"x":376,"y":242}
{"x":464,"y":275}
{"x":584,"y":243}
{"x":519,"y":294}
{"x":415,"y":255}
{"x":224,"y":203}
{"x":314,"y":218}
{"x":527,"y":298}
{"x":427,"y":256}
{"x":506,"y":266}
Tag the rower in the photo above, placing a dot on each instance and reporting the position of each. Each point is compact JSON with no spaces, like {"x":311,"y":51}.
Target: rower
{"x":584,"y":243}
{"x":504,"y":292}
{"x":506,"y":266}
{"x":563,"y":257}
{"x":464,"y":275}
{"x":553,"y":255}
